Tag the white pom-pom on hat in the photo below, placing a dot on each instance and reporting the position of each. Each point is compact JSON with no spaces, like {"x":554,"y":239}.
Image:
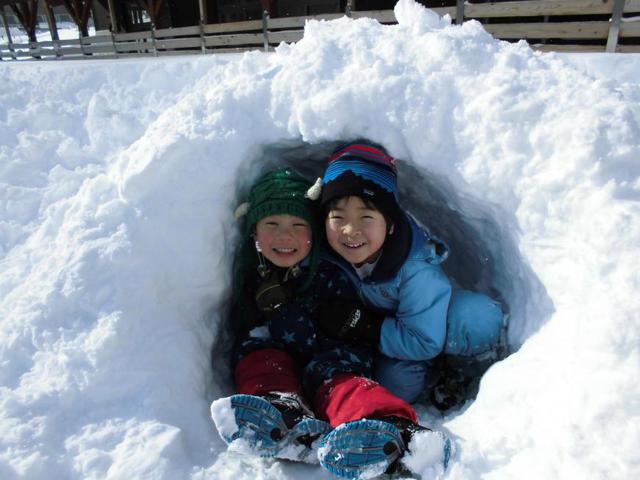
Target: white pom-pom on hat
{"x":242,"y":210}
{"x":315,"y":190}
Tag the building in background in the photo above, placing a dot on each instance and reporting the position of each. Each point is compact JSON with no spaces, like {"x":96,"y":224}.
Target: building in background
{"x":545,"y":24}
{"x":132,"y":15}
{"x":57,"y":6}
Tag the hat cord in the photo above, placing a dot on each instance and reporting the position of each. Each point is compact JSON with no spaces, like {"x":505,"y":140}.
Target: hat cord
{"x":263,"y":269}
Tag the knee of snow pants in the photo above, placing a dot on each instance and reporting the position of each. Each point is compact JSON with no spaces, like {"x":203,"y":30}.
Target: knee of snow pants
{"x":474,"y":324}
{"x":406,"y":379}
{"x":246,"y":346}
{"x":349,"y":397}
{"x":339,"y":360}
{"x":268,"y":370}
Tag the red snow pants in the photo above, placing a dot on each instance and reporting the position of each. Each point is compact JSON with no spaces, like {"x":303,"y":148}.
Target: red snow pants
{"x":348,"y":397}
{"x":268,"y":370}
{"x":344,"y":398}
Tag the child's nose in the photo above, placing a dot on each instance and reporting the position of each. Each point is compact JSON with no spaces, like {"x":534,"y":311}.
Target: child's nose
{"x":285,"y":231}
{"x":349,"y":229}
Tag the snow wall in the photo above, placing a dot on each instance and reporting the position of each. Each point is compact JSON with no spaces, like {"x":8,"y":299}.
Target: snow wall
{"x":117,"y":185}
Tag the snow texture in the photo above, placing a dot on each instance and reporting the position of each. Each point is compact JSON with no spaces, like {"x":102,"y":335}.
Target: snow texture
{"x":426,"y":455}
{"x":223,"y":416}
{"x":118,"y":182}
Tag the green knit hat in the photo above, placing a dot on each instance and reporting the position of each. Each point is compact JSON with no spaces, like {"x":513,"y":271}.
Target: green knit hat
{"x":280,"y":192}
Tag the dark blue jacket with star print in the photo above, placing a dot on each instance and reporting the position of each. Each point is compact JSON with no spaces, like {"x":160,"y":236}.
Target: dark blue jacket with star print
{"x":293,"y":327}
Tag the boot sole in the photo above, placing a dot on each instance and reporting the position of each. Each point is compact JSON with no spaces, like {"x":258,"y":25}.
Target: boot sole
{"x":262,"y":426}
{"x":361,"y":449}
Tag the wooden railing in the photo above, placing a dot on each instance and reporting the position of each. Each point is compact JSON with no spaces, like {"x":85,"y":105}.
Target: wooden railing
{"x":562,"y":35}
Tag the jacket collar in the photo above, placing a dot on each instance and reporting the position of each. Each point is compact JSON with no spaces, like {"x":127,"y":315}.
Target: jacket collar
{"x":396,"y":251}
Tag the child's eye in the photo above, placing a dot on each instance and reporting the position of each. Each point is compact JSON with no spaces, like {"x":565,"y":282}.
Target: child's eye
{"x":300,"y":225}
{"x":271,"y":224}
{"x":335,"y":217}
{"x":367,"y":217}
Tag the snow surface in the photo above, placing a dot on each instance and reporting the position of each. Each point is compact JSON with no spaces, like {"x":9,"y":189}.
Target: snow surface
{"x":425,"y":454}
{"x":118,"y":180}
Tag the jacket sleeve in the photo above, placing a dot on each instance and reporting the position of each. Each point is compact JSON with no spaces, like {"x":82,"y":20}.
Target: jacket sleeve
{"x":418,"y":330}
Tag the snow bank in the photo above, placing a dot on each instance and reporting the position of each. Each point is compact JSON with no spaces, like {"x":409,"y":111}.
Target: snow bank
{"x":117,"y":186}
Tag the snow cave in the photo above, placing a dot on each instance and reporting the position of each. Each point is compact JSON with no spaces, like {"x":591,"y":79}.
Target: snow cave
{"x":118,"y":182}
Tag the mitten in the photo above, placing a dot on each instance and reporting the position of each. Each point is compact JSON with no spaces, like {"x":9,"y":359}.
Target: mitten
{"x":273,"y":292}
{"x":351,"y":322}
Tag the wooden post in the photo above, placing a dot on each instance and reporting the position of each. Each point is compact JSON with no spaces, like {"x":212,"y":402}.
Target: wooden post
{"x":349,"y":7}
{"x":614,"y":27}
{"x":27,"y":13}
{"x":53,"y":27}
{"x":202,"y":6}
{"x":114,"y":25}
{"x":153,"y":38}
{"x":51,"y":21}
{"x":265,"y":29}
{"x":113,"y":17}
{"x":6,"y":25}
{"x":8,"y":32}
{"x":81,"y":43}
{"x":459,"y":12}
{"x":203,"y":21}
{"x":80,"y":10}
{"x":113,"y":44}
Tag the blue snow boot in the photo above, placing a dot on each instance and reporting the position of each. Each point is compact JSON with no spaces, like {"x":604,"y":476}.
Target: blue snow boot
{"x":273,"y":425}
{"x":368,"y":448}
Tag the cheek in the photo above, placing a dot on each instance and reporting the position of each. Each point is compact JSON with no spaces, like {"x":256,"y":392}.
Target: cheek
{"x":331,"y":233}
{"x":304,"y":239}
{"x":263,"y":237}
{"x":378,"y":235}
{"x":305,"y":247}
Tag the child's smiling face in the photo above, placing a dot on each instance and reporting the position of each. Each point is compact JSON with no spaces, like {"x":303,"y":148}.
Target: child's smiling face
{"x":285,"y":240}
{"x":356,"y":231}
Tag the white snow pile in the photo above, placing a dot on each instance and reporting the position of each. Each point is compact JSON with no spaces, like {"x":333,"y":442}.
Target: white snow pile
{"x":426,"y":454}
{"x":118,"y":180}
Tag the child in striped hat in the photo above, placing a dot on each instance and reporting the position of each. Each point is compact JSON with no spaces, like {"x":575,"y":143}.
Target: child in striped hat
{"x":411,"y":314}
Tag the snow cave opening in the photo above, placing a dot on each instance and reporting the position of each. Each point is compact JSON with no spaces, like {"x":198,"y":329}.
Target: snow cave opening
{"x":482,"y":239}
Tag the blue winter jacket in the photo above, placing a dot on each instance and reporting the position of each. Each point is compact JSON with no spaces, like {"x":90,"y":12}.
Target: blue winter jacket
{"x":409,"y":286}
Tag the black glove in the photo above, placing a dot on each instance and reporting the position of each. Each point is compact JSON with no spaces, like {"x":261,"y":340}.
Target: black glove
{"x":273,"y":292}
{"x":351,"y":322}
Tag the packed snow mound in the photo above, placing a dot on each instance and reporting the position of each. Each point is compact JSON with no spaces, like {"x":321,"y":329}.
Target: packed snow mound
{"x":413,"y":15}
{"x":118,"y":182}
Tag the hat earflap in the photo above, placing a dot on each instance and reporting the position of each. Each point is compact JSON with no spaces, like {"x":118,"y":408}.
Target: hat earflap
{"x":315,"y":190}
{"x":242,"y":210}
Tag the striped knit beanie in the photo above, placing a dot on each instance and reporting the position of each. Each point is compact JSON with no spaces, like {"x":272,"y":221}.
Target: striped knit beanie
{"x":364,"y":170}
